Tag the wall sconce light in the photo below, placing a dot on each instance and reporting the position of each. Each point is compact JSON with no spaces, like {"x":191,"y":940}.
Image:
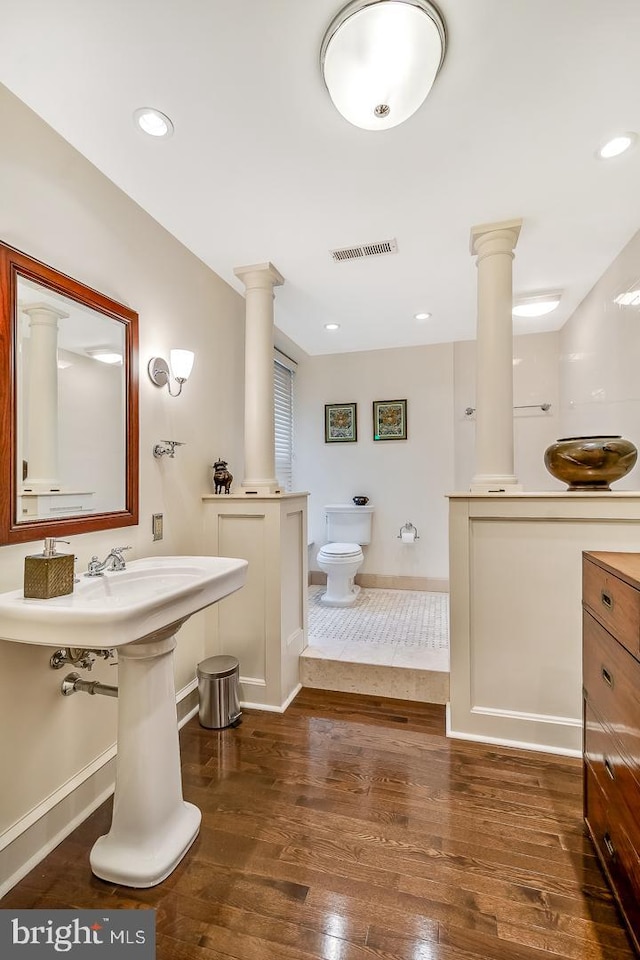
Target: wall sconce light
{"x":181,"y":365}
{"x":379,"y":59}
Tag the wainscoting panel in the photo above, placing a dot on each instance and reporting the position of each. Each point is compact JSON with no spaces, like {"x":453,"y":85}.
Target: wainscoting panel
{"x":264,"y":623}
{"x":516,"y":616}
{"x":243,"y":624}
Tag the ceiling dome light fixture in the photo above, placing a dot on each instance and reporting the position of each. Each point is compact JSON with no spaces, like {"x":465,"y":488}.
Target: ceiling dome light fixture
{"x":536,"y":306}
{"x":617,"y":145}
{"x":153,"y":122}
{"x":379,"y":59}
{"x":421,"y":316}
{"x":332,"y":326}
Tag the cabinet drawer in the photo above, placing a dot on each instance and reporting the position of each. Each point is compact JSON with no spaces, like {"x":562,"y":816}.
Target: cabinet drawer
{"x":614,"y":774}
{"x":614,"y":603}
{"x":617,"y":853}
{"x":611,"y":679}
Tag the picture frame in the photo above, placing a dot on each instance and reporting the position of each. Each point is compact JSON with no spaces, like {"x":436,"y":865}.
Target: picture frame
{"x":389,"y":419}
{"x":340,"y":422}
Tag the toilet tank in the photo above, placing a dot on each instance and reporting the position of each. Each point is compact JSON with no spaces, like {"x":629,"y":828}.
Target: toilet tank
{"x":347,"y":523}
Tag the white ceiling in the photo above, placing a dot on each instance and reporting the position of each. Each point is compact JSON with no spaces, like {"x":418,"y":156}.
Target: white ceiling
{"x":262,"y":167}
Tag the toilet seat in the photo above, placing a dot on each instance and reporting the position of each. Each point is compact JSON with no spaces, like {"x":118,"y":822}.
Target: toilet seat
{"x":336,"y":552}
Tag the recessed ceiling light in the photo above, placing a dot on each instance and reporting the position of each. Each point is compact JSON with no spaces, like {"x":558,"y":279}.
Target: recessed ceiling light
{"x":617,"y":145}
{"x":536,"y":306}
{"x":153,"y":122}
{"x":421,"y":316}
{"x":332,"y":326}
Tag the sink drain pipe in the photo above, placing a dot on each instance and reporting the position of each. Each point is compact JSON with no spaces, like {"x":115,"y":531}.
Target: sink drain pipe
{"x":73,"y":683}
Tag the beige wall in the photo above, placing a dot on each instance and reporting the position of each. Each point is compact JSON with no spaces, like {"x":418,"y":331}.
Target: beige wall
{"x":57,"y":207}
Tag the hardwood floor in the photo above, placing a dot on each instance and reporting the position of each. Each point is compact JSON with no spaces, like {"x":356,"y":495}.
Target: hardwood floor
{"x":350,"y":828}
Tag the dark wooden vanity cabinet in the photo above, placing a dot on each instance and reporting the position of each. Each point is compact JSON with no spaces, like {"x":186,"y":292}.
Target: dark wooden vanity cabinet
{"x":611,"y":681}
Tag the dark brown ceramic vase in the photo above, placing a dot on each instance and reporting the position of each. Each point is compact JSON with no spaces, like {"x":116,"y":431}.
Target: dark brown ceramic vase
{"x":590,"y":463}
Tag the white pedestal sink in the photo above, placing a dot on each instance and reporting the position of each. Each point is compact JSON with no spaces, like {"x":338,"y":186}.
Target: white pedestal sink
{"x":138,"y":610}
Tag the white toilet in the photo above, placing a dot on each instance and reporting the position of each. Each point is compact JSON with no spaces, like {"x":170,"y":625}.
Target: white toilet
{"x":348,"y":527}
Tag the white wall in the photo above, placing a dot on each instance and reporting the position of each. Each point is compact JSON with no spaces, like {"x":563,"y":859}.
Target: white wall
{"x":600,"y":358}
{"x":409,"y":480}
{"x":100,"y":415}
{"x":58,"y":208}
{"x":406,"y":480}
{"x":535,"y":381}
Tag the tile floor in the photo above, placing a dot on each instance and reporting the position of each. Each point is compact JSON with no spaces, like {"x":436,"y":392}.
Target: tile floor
{"x":400,"y":628}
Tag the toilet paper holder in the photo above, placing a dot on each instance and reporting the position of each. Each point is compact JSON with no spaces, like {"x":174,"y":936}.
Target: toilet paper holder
{"x":410,"y":530}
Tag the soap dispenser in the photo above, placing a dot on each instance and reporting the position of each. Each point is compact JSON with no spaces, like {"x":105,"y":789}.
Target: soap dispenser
{"x":48,"y":574}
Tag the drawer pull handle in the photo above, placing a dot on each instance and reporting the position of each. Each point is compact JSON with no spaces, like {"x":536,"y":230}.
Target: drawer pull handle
{"x":609,"y":768}
{"x":607,"y":600}
{"x":607,"y":677}
{"x":611,"y":850}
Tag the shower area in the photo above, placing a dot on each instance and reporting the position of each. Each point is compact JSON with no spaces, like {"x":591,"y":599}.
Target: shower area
{"x":390,"y":642}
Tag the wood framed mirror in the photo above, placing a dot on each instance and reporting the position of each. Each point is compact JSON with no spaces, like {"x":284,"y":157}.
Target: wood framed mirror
{"x":68,"y":405}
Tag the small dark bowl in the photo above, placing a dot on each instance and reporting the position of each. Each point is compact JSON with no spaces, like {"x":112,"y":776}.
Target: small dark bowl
{"x":361,"y":501}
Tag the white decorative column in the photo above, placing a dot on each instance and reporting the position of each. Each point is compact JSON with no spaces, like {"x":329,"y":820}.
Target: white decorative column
{"x":259,"y":443}
{"x":263,"y":524}
{"x":41,"y":445}
{"x":493,"y":245}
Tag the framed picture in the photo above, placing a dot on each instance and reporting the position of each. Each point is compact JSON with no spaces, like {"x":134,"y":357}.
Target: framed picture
{"x":340,"y":422}
{"x":389,"y":419}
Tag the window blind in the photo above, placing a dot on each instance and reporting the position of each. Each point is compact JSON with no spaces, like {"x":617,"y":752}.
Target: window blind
{"x":283,"y":412}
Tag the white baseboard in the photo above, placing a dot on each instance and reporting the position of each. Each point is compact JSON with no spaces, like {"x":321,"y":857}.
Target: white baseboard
{"x":294,"y":693}
{"x":516,"y":744}
{"x":271,"y":708}
{"x":28,"y":841}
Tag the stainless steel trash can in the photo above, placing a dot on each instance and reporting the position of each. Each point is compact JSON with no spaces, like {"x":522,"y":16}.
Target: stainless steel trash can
{"x":218,"y":692}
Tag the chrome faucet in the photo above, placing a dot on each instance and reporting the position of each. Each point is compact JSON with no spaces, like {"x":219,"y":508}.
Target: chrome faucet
{"x":113,"y":561}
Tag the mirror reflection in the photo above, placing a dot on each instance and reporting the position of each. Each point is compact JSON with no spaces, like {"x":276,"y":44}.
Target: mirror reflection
{"x":68,"y":404}
{"x":71,"y":424}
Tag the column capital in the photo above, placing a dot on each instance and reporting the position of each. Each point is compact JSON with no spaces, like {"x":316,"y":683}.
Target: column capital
{"x":488,"y":238}
{"x":259,"y":275}
{"x":44,"y":312}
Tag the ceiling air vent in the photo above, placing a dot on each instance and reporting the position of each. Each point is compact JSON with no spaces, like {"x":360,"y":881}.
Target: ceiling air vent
{"x":380,"y":249}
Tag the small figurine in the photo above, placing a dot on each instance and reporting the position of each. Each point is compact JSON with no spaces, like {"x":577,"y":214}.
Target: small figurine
{"x":221,"y":477}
